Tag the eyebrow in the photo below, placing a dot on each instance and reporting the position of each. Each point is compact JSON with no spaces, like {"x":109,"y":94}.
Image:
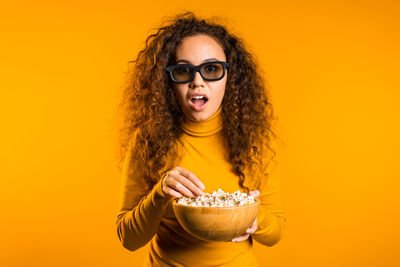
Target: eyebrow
{"x":187,"y":61}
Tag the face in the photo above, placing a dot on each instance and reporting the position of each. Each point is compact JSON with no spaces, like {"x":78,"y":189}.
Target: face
{"x":196,"y":50}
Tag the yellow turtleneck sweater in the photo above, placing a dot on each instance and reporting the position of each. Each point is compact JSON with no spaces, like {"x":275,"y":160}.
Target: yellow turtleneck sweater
{"x":152,"y":218}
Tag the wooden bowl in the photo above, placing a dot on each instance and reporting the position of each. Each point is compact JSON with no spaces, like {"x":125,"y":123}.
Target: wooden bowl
{"x":216,"y":223}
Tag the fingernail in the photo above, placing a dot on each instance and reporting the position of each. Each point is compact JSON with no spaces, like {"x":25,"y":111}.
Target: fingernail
{"x":202,"y":186}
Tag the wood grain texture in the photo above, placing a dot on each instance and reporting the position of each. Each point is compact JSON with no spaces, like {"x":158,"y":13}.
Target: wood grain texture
{"x":216,"y":223}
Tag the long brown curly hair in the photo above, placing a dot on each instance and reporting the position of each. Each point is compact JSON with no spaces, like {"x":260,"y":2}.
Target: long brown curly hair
{"x":152,"y":116}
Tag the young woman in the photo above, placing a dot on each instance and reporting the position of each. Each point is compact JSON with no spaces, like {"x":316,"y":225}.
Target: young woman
{"x":197,"y":118}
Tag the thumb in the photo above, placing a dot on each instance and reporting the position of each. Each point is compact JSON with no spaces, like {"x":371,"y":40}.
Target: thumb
{"x":255,"y":193}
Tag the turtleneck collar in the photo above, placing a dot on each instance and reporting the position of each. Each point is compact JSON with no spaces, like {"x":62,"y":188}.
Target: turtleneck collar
{"x":208,"y":127}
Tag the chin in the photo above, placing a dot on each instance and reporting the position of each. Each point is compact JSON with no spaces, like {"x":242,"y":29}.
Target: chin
{"x":200,"y":116}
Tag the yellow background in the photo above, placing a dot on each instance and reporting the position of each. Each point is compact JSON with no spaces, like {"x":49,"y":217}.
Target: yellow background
{"x":333,"y":67}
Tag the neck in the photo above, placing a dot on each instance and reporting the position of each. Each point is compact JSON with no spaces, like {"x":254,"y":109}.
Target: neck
{"x":210,"y":126}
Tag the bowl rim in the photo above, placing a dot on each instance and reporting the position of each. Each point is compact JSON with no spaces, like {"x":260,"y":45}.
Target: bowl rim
{"x":256,"y":202}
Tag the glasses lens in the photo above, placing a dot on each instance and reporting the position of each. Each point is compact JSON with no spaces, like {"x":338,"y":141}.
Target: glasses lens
{"x":212,"y":70}
{"x":182,"y":73}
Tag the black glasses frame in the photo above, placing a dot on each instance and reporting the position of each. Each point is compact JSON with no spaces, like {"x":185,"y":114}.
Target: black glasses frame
{"x":170,"y":68}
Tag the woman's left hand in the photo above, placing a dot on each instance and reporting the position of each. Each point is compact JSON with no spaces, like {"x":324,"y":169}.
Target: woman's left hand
{"x":252,"y":228}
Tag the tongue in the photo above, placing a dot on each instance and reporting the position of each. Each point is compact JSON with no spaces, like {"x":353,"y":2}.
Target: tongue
{"x":198,"y":102}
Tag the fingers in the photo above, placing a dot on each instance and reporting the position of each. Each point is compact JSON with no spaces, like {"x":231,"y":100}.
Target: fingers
{"x":246,"y":236}
{"x":249,"y":231}
{"x":179,"y":182}
{"x":167,"y":189}
{"x":241,"y":238}
{"x":181,"y":186}
{"x":252,"y":228}
{"x":255,"y":193}
{"x":174,"y":193}
{"x":191,"y":177}
{"x":182,"y":180}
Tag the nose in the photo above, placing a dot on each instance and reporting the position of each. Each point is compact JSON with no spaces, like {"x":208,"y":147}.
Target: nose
{"x":197,"y":80}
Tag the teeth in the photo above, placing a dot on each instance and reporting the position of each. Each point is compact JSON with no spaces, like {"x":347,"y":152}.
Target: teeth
{"x":198,"y":97}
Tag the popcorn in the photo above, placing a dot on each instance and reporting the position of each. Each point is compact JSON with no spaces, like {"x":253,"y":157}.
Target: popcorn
{"x":218,"y":199}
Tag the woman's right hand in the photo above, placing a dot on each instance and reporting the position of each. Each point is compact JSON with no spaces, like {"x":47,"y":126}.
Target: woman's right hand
{"x":179,"y":182}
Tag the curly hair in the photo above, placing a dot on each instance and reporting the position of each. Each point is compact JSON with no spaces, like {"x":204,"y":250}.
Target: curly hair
{"x":152,"y":116}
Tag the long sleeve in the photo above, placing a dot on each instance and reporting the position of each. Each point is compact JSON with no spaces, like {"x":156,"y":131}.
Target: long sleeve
{"x":201,"y":150}
{"x":139,"y":216}
{"x":271,"y":220}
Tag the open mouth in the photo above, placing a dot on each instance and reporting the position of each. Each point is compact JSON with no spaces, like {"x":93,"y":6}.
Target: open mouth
{"x":199,"y":100}
{"x":198,"y":103}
